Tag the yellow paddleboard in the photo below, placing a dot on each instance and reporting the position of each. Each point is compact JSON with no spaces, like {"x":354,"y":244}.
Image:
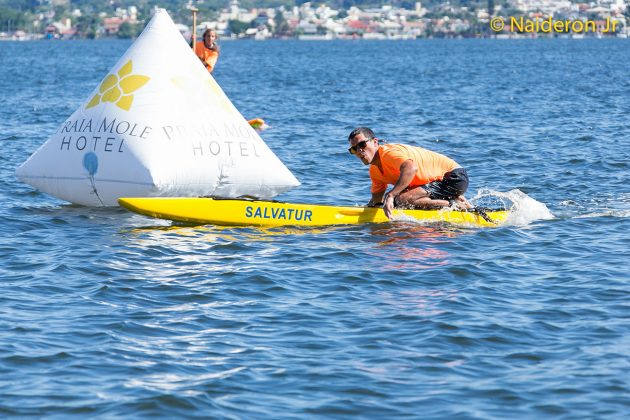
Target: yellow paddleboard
{"x":239,"y":212}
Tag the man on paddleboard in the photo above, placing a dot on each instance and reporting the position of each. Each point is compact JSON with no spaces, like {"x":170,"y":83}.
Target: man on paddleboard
{"x":421,"y":178}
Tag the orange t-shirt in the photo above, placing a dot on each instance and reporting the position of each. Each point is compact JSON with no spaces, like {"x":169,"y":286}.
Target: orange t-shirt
{"x":208,"y":56}
{"x":431,"y":166}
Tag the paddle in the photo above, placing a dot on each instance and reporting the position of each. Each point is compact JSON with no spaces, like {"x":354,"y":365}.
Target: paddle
{"x":193,"y":40}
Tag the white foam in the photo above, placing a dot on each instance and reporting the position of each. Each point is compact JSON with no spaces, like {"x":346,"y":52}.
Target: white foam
{"x":617,"y":205}
{"x":523,"y":209}
{"x":605,"y":213}
{"x":410,"y":219}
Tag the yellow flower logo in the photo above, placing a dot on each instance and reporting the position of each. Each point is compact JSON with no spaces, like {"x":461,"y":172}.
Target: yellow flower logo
{"x":119,"y":88}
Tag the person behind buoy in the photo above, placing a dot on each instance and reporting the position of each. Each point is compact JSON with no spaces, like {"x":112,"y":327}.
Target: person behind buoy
{"x":208,"y":50}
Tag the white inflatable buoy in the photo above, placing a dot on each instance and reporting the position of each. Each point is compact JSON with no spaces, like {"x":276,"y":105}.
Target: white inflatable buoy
{"x":157,"y":125}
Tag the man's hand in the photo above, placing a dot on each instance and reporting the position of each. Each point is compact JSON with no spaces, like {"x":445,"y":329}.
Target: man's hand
{"x":407,"y":171}
{"x":377,"y":199}
{"x":388,"y":205}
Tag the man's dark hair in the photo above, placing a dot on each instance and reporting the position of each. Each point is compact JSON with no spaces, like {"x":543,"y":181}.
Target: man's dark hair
{"x":369,"y":134}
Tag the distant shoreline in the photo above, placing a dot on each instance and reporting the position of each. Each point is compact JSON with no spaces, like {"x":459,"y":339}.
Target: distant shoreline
{"x":323,"y":39}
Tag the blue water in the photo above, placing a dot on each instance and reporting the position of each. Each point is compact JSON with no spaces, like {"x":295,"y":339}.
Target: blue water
{"x":106,"y":313}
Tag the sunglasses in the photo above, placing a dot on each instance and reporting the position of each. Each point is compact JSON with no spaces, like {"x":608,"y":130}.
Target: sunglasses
{"x":360,"y":145}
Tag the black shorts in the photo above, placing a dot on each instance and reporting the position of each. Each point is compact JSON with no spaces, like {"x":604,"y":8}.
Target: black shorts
{"x":454,"y":184}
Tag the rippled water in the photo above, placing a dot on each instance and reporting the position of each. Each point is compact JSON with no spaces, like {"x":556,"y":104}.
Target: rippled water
{"x":112,"y":314}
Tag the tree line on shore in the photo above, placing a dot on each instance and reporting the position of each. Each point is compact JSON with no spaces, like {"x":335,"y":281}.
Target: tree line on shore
{"x":34,"y":16}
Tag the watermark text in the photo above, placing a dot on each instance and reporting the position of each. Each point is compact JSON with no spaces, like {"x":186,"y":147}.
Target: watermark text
{"x":550,"y":25}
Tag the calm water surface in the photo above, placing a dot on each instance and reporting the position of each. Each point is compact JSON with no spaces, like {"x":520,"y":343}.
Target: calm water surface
{"x":105,"y":313}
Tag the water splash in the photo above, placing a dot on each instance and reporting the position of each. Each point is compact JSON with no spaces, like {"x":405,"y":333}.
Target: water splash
{"x":523,"y":208}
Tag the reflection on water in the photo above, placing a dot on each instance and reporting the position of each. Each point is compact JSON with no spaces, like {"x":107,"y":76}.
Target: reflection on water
{"x":409,"y":246}
{"x":180,"y":235}
{"x":420,"y":302}
{"x":211,"y":233}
